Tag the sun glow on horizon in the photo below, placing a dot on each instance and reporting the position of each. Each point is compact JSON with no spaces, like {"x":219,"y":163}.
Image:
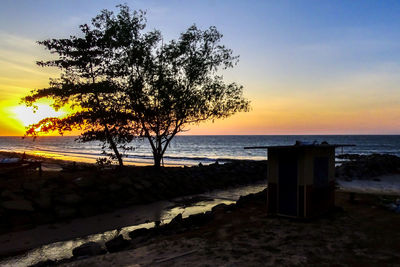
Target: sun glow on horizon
{"x":27,"y":116}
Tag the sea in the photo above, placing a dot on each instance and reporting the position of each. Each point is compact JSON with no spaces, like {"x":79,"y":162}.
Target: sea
{"x":192,"y":150}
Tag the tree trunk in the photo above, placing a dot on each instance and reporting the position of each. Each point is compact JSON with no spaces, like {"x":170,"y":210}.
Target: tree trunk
{"x":113,"y":146}
{"x":119,"y":157}
{"x":157,"y":160}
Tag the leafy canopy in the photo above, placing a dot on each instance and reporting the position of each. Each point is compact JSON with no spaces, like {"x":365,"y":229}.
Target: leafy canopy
{"x":129,"y":83}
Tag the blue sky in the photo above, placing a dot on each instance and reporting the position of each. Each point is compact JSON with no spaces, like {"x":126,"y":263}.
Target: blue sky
{"x":303,"y":63}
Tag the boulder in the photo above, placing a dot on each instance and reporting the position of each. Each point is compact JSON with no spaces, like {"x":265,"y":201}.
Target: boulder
{"x":198,"y":219}
{"x":88,"y":210}
{"x":146,"y":184}
{"x":65,"y":212}
{"x":41,"y":218}
{"x":175,"y":226}
{"x":88,"y":249}
{"x":84,"y":182}
{"x":20,"y":221}
{"x":141,"y":235}
{"x":177,"y":219}
{"x":7,"y":194}
{"x":124,"y":181}
{"x":366,"y":166}
{"x":43,"y":201}
{"x":260,"y":197}
{"x":94,"y":197}
{"x":114,"y":187}
{"x":117,"y":244}
{"x":69,"y":199}
{"x":31,"y":186}
{"x":20,"y":204}
{"x":219,"y":208}
{"x":44,"y":263}
{"x":139,"y":232}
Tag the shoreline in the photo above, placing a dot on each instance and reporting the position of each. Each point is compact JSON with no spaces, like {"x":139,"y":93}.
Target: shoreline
{"x":57,"y":159}
{"x":63,"y":160}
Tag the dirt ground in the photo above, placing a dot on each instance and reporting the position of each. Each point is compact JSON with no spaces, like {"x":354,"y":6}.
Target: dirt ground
{"x":359,"y":233}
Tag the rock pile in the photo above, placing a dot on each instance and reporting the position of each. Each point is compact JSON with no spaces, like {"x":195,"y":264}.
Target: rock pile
{"x":366,"y":166}
{"x":27,"y":200}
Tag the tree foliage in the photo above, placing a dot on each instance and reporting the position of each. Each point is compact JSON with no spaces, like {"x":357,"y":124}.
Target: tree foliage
{"x":88,"y":85}
{"x":128,"y":82}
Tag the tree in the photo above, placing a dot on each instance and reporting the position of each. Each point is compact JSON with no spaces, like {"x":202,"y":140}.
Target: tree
{"x":128,"y":83}
{"x":173,"y":85}
{"x":89,"y":85}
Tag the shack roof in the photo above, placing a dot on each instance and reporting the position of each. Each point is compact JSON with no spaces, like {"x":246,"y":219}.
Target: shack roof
{"x":302,"y":146}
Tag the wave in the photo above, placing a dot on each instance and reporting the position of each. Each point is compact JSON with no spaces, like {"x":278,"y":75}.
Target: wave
{"x":190,"y":150}
{"x":186,"y":158}
{"x":81,"y":154}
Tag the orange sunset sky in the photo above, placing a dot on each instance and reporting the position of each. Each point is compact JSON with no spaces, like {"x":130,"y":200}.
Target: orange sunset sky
{"x":308,"y":67}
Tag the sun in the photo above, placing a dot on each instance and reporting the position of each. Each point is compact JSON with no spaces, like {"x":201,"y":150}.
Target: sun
{"x":27,"y":116}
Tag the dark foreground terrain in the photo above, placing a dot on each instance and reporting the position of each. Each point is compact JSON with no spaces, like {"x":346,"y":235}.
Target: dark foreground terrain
{"x":358,"y":233}
{"x":361,"y":230}
{"x":28,"y":199}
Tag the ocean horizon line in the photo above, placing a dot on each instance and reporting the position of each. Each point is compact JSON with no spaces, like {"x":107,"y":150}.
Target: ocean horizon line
{"x":196,"y":135}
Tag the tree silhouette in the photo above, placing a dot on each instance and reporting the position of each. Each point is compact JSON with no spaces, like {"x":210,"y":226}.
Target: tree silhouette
{"x":89,"y":85}
{"x":173,"y":85}
{"x":129,"y":83}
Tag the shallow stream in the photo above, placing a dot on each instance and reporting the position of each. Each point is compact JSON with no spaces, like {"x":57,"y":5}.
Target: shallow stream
{"x":187,"y":205}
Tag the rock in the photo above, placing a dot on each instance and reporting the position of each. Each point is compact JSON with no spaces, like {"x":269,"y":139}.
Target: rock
{"x":69,"y":199}
{"x":44,"y":263}
{"x":140,"y":234}
{"x":88,"y":249}
{"x":88,"y":210}
{"x":114,"y":187}
{"x":260,"y":197}
{"x":175,"y":226}
{"x":41,"y":218}
{"x":146,"y":184}
{"x":31,"y":186}
{"x":43,"y":201}
{"x":124,"y":181}
{"x":117,"y":244}
{"x":20,"y":204}
{"x":177,"y":219}
{"x":94,"y":197}
{"x":65,"y":212}
{"x":198,"y":219}
{"x":20,"y":221}
{"x":365,"y":166}
{"x":7,"y":194}
{"x":219,"y":208}
{"x":84,"y":182}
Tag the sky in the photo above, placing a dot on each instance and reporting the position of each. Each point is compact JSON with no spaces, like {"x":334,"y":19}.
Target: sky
{"x":308,"y":67}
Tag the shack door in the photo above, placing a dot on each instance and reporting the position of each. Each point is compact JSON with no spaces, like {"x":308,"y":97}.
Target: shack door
{"x":287,"y":186}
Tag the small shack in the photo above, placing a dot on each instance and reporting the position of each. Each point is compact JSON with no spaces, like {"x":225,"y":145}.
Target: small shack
{"x":301,"y":179}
